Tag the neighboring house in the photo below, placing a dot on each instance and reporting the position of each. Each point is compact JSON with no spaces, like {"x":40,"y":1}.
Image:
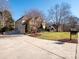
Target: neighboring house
{"x":50,"y":27}
{"x":19,"y":26}
{"x":30,"y":24}
{"x":67,"y":27}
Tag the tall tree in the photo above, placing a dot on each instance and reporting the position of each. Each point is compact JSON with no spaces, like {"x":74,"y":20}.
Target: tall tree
{"x":6,"y":17}
{"x":59,"y":13}
{"x":3,"y":6}
{"x":72,"y":21}
{"x":9,"y":22}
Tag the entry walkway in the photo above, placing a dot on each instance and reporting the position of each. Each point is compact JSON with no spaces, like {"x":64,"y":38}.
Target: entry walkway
{"x":25,"y":47}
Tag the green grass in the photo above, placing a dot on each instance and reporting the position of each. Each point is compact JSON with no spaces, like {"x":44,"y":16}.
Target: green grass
{"x":56,"y":35}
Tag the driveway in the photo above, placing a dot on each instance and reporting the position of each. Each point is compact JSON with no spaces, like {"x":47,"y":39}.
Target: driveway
{"x":25,"y":47}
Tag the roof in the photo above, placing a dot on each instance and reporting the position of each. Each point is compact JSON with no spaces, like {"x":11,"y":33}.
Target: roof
{"x":20,"y":18}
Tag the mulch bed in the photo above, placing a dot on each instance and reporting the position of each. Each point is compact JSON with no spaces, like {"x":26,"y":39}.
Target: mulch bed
{"x":35,"y":35}
{"x":69,"y":41}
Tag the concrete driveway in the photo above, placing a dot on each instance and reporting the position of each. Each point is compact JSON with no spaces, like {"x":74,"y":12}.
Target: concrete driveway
{"x":25,"y":47}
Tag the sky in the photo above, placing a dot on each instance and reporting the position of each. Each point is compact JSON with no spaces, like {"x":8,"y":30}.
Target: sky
{"x":19,"y":7}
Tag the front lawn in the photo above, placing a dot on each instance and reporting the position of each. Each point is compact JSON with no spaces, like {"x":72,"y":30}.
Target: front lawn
{"x":56,"y":35}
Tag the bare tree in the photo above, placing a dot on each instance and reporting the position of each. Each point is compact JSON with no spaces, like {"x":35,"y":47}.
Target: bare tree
{"x":59,"y":13}
{"x":34,"y":19}
{"x":4,"y":5}
{"x":72,"y":21}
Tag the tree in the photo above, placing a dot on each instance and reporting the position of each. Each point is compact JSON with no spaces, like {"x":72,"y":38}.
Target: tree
{"x":72,"y":21}
{"x":0,"y":25}
{"x":0,"y":20}
{"x":9,"y":22}
{"x":4,"y":5}
{"x":59,"y":14}
{"x":35,"y":19}
{"x":6,"y":17}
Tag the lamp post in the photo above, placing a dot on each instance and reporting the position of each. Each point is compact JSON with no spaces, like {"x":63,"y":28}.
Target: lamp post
{"x":23,"y":25}
{"x":23,"y":21}
{"x":44,"y":25}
